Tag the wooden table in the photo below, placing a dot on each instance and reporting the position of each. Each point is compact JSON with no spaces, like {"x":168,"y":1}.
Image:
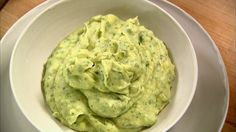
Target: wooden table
{"x":216,"y":16}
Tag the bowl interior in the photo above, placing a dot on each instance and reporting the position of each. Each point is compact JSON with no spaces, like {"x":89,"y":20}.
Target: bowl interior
{"x":49,"y":28}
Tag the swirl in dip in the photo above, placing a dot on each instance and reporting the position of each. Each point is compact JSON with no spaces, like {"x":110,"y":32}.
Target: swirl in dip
{"x":110,"y":76}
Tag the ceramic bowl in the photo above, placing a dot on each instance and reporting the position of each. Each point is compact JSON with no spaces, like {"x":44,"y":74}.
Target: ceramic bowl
{"x":46,"y":30}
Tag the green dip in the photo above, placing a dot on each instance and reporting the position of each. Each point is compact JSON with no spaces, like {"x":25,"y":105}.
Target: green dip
{"x":110,"y":76}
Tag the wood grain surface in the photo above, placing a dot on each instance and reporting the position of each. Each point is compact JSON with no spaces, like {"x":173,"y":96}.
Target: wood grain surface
{"x":216,"y":16}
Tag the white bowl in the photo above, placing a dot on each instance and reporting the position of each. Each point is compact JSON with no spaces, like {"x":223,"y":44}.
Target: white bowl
{"x":45,"y":31}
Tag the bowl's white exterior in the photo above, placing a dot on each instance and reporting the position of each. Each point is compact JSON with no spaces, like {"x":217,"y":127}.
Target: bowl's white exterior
{"x":48,"y":28}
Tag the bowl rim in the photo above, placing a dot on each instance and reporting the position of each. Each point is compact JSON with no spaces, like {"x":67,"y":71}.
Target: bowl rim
{"x":54,"y":5}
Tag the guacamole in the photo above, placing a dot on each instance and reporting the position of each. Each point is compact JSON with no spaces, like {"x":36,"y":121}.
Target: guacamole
{"x":109,"y":76}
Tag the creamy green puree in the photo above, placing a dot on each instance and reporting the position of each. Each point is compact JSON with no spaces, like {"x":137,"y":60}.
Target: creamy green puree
{"x":110,"y":76}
